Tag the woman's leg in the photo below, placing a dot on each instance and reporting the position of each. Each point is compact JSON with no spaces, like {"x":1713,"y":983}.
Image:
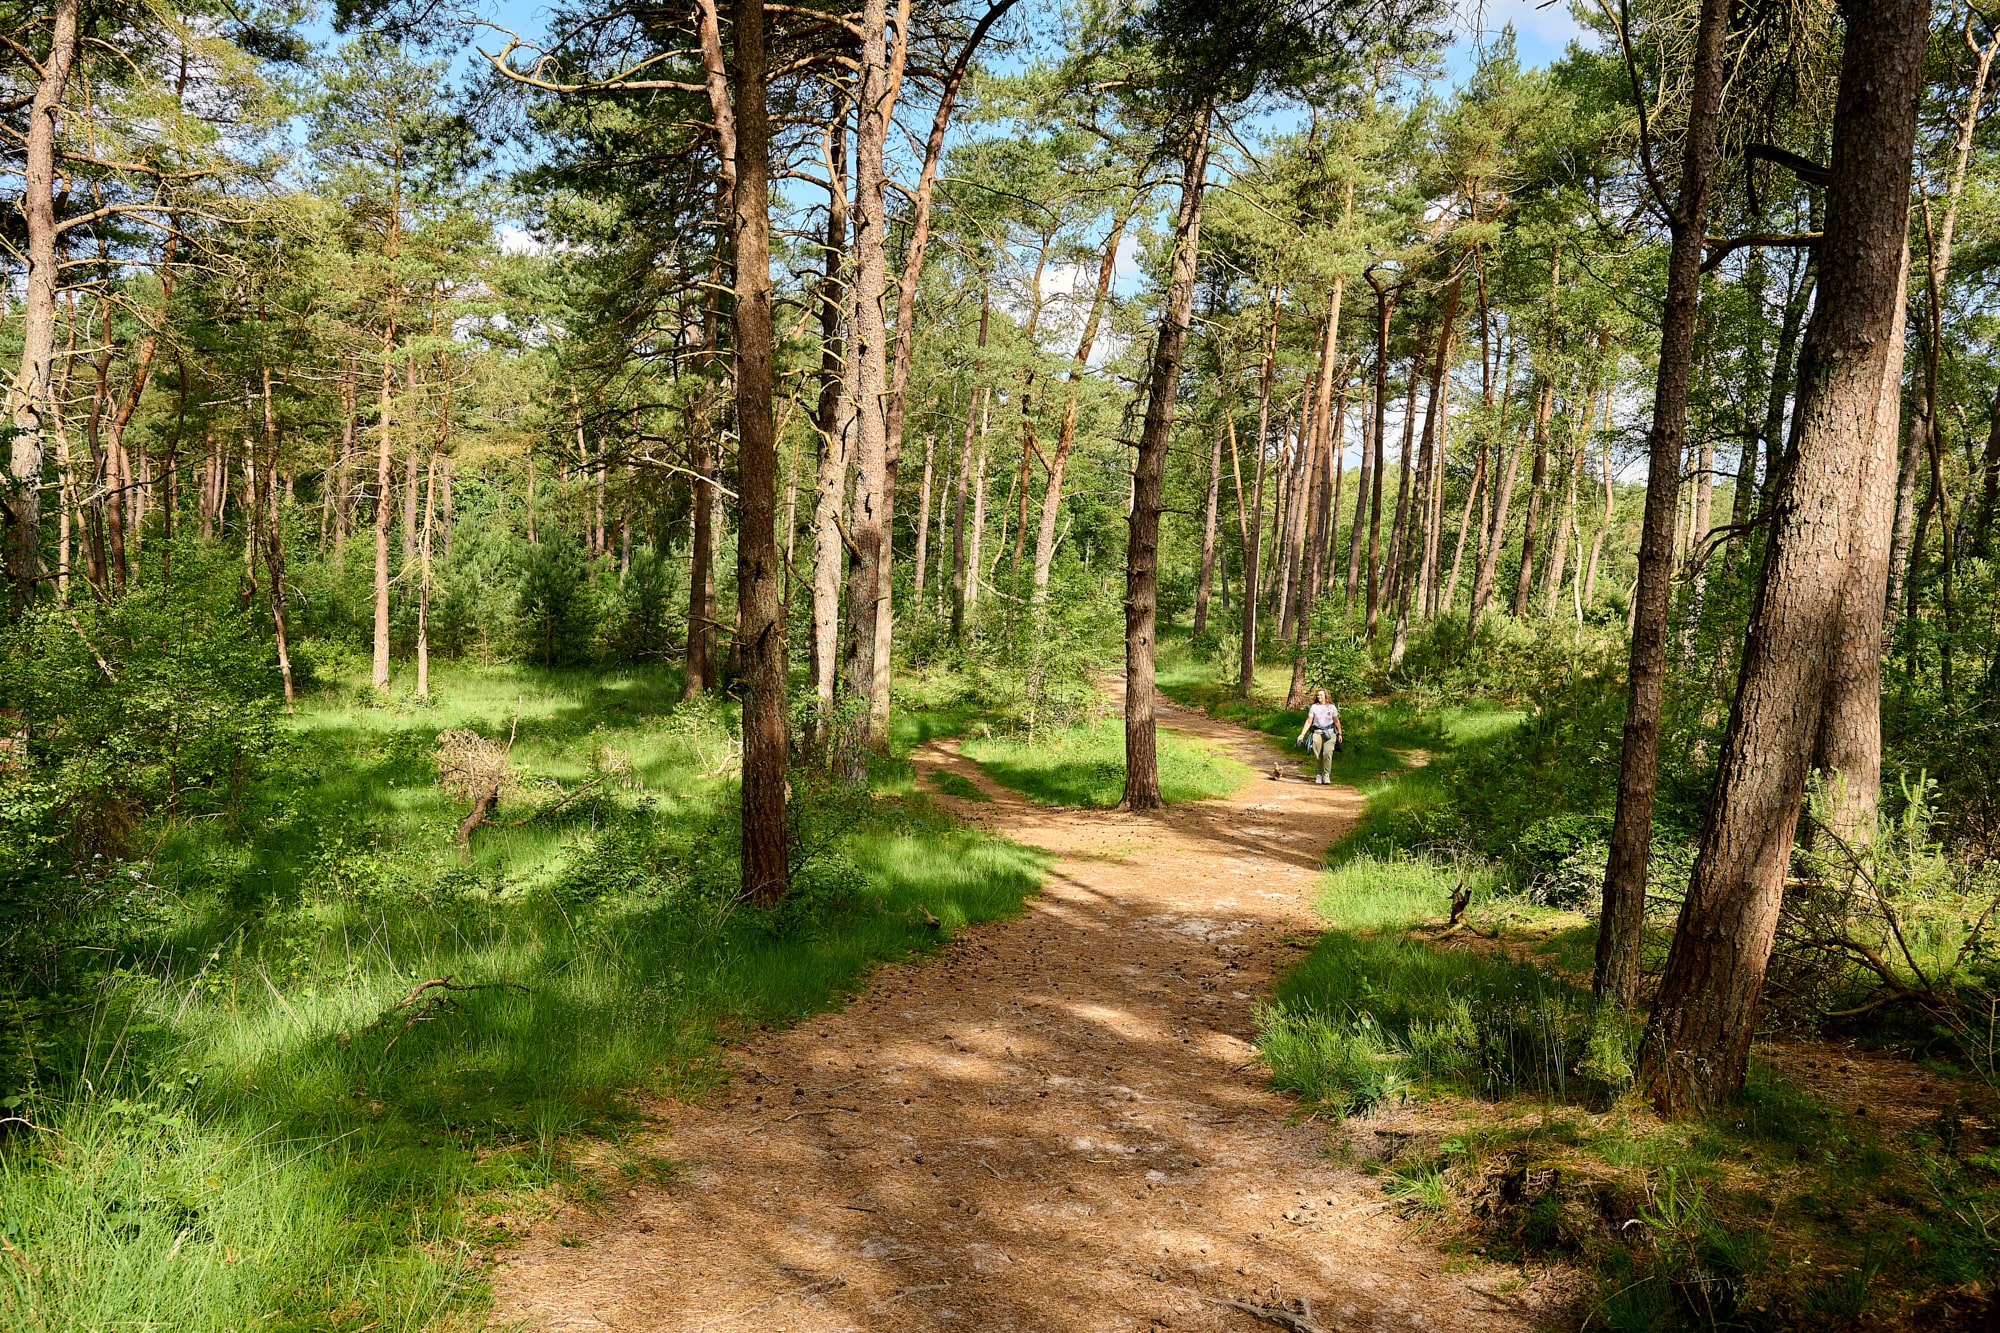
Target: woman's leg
{"x":1326,"y":758}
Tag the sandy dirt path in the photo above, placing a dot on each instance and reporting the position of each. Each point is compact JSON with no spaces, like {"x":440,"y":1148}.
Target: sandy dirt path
{"x":1055,"y":1125}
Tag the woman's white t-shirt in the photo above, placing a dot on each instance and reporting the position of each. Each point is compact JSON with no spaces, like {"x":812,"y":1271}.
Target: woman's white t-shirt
{"x":1323,"y":716}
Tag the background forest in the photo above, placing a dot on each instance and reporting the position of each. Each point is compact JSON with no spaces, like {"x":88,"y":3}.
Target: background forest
{"x":477,"y":571}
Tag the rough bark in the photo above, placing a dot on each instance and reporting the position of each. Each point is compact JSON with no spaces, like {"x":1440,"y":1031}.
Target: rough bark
{"x":1698,"y":1040}
{"x":1142,"y":774}
{"x":30,"y":405}
{"x":867,"y":351}
{"x":761,"y":632}
{"x":1848,"y":749}
{"x":1617,"y":971}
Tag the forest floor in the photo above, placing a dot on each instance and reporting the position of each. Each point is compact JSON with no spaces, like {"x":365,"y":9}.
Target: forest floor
{"x":1060,"y":1123}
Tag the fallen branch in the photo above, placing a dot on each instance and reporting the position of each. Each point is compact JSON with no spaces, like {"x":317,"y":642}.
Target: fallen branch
{"x":1299,"y":1320}
{"x":584,"y":790}
{"x":429,"y":997}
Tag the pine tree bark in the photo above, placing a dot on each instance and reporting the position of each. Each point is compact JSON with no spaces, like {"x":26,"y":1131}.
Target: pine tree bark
{"x":1617,"y":971}
{"x":761,"y":628}
{"x":30,"y":402}
{"x":1142,"y":552}
{"x":1848,"y":749}
{"x":868,"y":575}
{"x":1697,"y":1042}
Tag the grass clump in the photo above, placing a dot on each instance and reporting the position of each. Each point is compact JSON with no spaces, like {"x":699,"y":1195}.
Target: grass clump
{"x":1085,"y":765}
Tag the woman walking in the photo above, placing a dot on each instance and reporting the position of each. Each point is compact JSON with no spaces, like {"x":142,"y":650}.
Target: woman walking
{"x":1323,"y":725}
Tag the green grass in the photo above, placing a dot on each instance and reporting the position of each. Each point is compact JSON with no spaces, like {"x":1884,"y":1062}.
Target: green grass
{"x":240,"y":1127}
{"x":957,"y":784}
{"x":1085,"y":765}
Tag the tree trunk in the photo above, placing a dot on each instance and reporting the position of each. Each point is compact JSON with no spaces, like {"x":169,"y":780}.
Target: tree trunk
{"x":1530,"y":528}
{"x":384,"y":500}
{"x":868,"y":576}
{"x":1045,"y":536}
{"x":834,"y":417}
{"x":1604,"y":528}
{"x":1385,"y":302}
{"x":1142,"y":774}
{"x":1207,"y":575}
{"x":1617,"y":972}
{"x":424,"y":581}
{"x":1989,"y":489}
{"x":1474,"y":492}
{"x":1399,"y":527}
{"x":917,"y":583}
{"x":977,"y":539}
{"x":30,"y":403}
{"x":1253,"y":522}
{"x":1848,"y":749}
{"x":698,"y":675}
{"x":1698,"y":1039}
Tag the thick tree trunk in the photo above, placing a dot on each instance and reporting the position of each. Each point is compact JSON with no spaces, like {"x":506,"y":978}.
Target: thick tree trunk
{"x":761,"y":628}
{"x":1698,"y":1039}
{"x":1848,"y":749}
{"x":867,"y":351}
{"x":1142,"y":774}
{"x":30,"y":405}
{"x":1617,"y":971}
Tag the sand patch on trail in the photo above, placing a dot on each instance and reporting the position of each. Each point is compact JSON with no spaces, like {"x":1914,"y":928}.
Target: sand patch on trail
{"x":1056,"y":1125}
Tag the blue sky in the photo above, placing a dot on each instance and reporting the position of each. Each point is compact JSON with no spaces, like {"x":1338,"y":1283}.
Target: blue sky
{"x":1543,"y":30}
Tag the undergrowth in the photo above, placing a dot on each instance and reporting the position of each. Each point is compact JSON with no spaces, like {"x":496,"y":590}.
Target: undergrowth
{"x":249,"y":1111}
{"x":1778,"y":1211}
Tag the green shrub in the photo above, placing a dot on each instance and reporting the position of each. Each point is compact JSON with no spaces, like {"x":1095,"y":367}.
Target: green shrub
{"x":555,"y":612}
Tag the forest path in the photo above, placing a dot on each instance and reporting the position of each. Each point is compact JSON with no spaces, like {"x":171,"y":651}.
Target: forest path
{"x":1056,"y":1125}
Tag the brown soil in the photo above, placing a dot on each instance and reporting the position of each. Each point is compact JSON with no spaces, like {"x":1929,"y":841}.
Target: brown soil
{"x":1057,"y":1124}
